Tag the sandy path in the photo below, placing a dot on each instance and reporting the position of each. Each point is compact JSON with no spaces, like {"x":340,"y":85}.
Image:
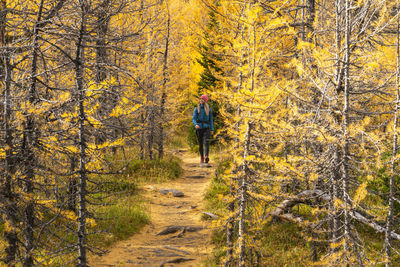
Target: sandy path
{"x":190,"y":244}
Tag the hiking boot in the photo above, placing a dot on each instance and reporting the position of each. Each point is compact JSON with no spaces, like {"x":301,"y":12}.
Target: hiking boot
{"x":201,"y":160}
{"x":207,"y":159}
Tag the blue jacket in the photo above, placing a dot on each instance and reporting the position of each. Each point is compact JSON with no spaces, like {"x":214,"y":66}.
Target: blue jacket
{"x":201,"y":118}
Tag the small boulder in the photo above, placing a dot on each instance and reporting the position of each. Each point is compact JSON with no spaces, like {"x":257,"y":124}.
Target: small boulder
{"x":175,"y":193}
{"x":164,"y":191}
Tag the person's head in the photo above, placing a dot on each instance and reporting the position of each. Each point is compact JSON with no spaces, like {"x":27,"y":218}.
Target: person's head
{"x":203,"y":99}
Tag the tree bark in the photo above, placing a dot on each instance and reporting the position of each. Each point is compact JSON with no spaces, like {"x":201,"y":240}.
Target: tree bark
{"x":310,"y":18}
{"x":101,"y":48}
{"x":29,"y":157}
{"x":10,"y":162}
{"x":231,"y":206}
{"x":346,"y":124}
{"x":163,"y":88}
{"x":79,"y":72}
{"x":72,"y":188}
{"x":243,"y":199}
{"x":152,"y":126}
{"x":389,"y":219}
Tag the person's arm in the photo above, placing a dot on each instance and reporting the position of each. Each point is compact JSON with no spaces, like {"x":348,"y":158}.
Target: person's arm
{"x":211,"y":121}
{"x":194,"y":118}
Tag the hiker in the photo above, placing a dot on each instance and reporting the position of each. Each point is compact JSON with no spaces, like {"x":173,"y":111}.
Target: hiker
{"x":203,"y":122}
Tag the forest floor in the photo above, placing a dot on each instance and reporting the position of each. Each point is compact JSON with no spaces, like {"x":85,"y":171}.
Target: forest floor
{"x":176,"y":235}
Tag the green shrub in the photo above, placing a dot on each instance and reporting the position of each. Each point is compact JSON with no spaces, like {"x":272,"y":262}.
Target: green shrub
{"x":154,"y":170}
{"x":117,"y":184}
{"x":120,"y":221}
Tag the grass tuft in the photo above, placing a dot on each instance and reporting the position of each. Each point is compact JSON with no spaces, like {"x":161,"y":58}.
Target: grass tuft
{"x":154,"y":170}
{"x":121,"y":220}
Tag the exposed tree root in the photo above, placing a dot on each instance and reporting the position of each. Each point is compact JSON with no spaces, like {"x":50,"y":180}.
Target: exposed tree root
{"x":175,"y":228}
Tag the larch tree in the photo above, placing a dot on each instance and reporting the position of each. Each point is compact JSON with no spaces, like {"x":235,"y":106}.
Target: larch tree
{"x":322,"y":76}
{"x":344,"y":109}
{"x":250,"y":97}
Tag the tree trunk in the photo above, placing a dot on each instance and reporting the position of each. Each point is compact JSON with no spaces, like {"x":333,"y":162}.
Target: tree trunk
{"x":10,"y":162}
{"x":336,"y":222}
{"x":310,"y":19}
{"x":389,"y":219}
{"x":231,"y":206}
{"x":72,"y":190}
{"x":142,"y":135}
{"x":79,"y":62}
{"x":243,"y":199}
{"x":163,"y":88}
{"x":345,"y":148}
{"x":101,"y":48}
{"x":150,"y":139}
{"x":29,"y":210}
{"x":10,"y":166}
{"x":29,"y":157}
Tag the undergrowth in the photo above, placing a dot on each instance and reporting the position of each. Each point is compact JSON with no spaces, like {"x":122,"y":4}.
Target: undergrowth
{"x":154,"y":171}
{"x":283,"y":243}
{"x":128,"y":214}
{"x":119,"y":209}
{"x":122,"y":219}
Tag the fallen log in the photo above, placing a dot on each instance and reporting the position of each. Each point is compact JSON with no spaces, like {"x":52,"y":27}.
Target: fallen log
{"x":374,"y":225}
{"x":301,"y":198}
{"x":282,"y":211}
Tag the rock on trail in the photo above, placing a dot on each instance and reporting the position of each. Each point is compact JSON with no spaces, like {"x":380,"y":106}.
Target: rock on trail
{"x":176,"y":236}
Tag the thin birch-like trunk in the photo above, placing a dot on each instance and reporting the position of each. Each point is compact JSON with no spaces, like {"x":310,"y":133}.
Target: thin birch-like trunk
{"x":10,"y":207}
{"x":102,"y":60}
{"x":72,"y":187}
{"x":335,"y":195}
{"x":142,"y":135}
{"x":163,"y":88}
{"x":101,"y":32}
{"x":389,"y":219}
{"x":338,"y":37}
{"x":29,"y":211}
{"x":151,"y":115}
{"x":7,"y":190}
{"x":346,"y":124}
{"x":348,"y":239}
{"x":231,"y":205}
{"x":82,"y":214}
{"x":336,"y":159}
{"x":243,"y":199}
{"x":245,"y":171}
{"x":150,"y":110}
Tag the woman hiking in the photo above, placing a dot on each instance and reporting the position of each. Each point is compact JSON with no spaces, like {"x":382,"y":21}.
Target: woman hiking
{"x":203,"y":122}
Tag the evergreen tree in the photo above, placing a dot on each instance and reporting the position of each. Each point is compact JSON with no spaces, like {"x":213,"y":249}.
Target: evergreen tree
{"x":209,"y":57}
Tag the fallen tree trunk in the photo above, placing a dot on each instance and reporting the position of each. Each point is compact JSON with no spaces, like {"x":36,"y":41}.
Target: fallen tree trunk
{"x":374,"y":225}
{"x":282,"y":211}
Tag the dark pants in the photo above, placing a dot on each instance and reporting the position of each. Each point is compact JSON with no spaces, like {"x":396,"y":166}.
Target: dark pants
{"x":203,"y":136}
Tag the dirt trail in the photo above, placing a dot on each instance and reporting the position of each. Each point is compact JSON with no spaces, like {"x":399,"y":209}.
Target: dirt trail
{"x":189,"y":245}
